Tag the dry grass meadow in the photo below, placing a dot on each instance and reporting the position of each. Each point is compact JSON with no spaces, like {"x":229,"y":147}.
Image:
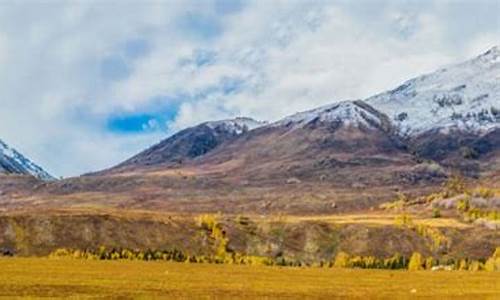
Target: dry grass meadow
{"x":29,"y":278}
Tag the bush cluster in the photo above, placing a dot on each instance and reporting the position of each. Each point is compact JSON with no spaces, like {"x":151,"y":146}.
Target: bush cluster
{"x":175,"y":255}
{"x":212,"y":225}
{"x":103,"y":253}
{"x":417,"y":262}
{"x":344,"y":260}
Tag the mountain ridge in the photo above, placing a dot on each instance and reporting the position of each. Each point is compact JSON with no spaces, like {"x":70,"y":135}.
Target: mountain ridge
{"x":350,"y":152}
{"x":459,"y":100}
{"x":463,"y":96}
{"x":189,"y":143}
{"x":13,"y":162}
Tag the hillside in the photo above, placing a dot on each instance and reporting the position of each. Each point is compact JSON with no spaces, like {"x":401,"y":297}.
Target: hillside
{"x":339,"y":142}
{"x":188,"y":144}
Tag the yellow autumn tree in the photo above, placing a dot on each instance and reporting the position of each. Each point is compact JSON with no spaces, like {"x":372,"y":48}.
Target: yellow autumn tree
{"x":416,"y":262}
{"x":341,"y":260}
{"x":493,"y":263}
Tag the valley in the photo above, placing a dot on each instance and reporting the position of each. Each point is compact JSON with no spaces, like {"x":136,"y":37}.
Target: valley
{"x":405,"y":180}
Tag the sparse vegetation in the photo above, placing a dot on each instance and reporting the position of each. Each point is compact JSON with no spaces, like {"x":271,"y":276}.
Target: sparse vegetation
{"x":439,"y":242}
{"x":455,"y":185}
{"x":404,"y":220}
{"x":398,"y":204}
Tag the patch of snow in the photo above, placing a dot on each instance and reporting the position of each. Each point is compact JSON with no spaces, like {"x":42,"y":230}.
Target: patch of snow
{"x":21,"y":164}
{"x":464,"y":96}
{"x":236,"y":126}
{"x":346,"y":112}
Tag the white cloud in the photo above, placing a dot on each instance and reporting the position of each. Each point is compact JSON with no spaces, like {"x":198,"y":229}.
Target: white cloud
{"x":285,"y":56}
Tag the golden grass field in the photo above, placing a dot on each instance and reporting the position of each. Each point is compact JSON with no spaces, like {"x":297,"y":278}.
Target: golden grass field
{"x":33,"y":278}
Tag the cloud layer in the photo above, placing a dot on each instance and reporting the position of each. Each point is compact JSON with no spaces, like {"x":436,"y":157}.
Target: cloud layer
{"x":87,"y":84}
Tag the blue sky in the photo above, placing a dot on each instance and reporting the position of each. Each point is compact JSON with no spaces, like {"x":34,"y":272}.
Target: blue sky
{"x":86,"y":84}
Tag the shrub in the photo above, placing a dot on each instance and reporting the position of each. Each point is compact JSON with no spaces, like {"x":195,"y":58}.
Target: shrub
{"x":211,"y":223}
{"x":61,"y":252}
{"x":429,"y":263}
{"x":476,"y":213}
{"x":398,"y":204}
{"x":463,"y":265}
{"x":102,"y":253}
{"x":242,"y":220}
{"x":438,"y":239}
{"x":463,"y":205}
{"x":493,"y":263}
{"x":341,"y":260}
{"x":475,"y":266}
{"x":404,"y":220}
{"x":436,"y":213}
{"x":454,"y":186}
{"x":395,"y":205}
{"x":397,"y":261}
{"x":208,"y":221}
{"x":484,"y":192}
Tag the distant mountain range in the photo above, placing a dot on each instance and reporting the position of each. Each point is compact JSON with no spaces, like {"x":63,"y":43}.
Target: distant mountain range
{"x":420,"y":132}
{"x":451,"y":116}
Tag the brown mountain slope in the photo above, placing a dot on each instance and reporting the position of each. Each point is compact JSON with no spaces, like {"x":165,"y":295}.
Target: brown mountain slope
{"x":187,"y":144}
{"x":338,"y":145}
{"x":342,"y":157}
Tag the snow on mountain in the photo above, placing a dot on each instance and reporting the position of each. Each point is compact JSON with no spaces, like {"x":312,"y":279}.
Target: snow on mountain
{"x":12,"y":161}
{"x":464,"y":96}
{"x":350,"y":113}
{"x":236,"y":126}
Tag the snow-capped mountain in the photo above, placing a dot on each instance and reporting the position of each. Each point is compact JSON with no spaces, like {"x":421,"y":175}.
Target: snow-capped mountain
{"x":346,"y":141}
{"x":464,"y":96}
{"x":13,"y":162}
{"x":349,"y":113}
{"x":442,"y":116}
{"x":236,"y":126}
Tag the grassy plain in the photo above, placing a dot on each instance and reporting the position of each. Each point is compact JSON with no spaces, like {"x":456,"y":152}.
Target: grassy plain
{"x":82,"y":279}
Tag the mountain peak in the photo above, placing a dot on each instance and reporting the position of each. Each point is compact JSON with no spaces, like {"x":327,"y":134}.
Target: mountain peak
{"x":13,"y":162}
{"x":493,"y":53}
{"x":237,"y":125}
{"x":488,"y":59}
{"x":465,"y":96}
{"x":352,"y":113}
{"x":190,"y":143}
